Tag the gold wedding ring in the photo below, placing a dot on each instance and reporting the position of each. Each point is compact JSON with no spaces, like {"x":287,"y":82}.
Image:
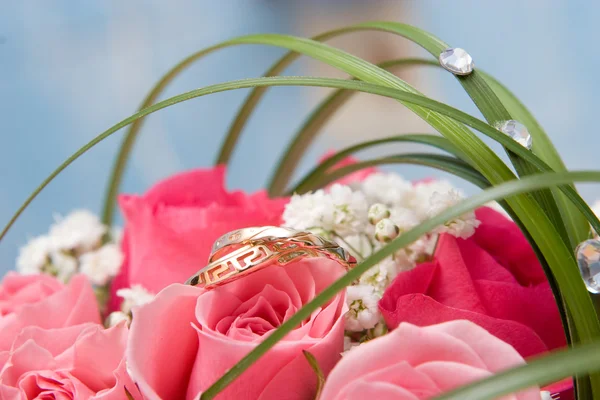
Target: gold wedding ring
{"x":244,"y":251}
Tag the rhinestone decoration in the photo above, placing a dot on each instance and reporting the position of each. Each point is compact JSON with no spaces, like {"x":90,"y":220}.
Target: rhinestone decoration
{"x":588,"y":259}
{"x":517,"y":131}
{"x":457,"y":61}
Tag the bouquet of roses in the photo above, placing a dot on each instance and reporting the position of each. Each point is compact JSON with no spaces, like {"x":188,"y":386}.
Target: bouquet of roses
{"x":352,"y":283}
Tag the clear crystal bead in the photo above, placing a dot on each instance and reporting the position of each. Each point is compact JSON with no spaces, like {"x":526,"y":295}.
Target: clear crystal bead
{"x":457,"y":61}
{"x":588,"y":259}
{"x":517,"y":131}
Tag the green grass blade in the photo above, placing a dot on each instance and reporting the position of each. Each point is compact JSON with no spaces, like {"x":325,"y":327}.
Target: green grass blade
{"x":568,"y":278}
{"x":120,"y":163}
{"x":305,"y":135}
{"x":307,"y":182}
{"x":444,"y":163}
{"x":557,"y":365}
{"x":318,"y":82}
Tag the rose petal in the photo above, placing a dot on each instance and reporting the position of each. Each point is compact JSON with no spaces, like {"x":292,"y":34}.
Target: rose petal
{"x":162,"y":345}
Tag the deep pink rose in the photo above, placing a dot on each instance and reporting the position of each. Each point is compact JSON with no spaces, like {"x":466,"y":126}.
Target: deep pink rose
{"x":412,"y":363}
{"x":187,"y":338}
{"x":41,"y":300}
{"x":492,"y":278}
{"x":169,"y":230}
{"x":77,"y":362}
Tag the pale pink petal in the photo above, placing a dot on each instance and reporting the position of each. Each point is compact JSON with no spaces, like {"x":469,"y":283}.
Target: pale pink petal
{"x":360,"y":390}
{"x":495,"y":354}
{"x":162,"y":344}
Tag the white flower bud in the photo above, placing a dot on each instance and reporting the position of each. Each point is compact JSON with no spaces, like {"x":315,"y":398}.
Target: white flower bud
{"x":386,"y":230}
{"x":377,"y":212}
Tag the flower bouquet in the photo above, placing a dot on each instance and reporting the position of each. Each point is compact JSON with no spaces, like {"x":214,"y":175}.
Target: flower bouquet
{"x":350,"y":283}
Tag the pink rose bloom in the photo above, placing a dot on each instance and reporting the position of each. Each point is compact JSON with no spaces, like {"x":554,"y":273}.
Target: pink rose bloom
{"x":41,"y":300}
{"x":169,"y":230}
{"x":187,"y":338}
{"x":412,"y":363}
{"x":77,"y":362}
{"x":492,"y":278}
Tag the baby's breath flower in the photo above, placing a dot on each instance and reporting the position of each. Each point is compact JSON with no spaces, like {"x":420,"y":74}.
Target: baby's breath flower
{"x":381,"y":275}
{"x":460,"y":227}
{"x":404,"y":218}
{"x":420,"y":200}
{"x":62,"y":265}
{"x":545,"y":395}
{"x":102,"y":264}
{"x":115,"y":317}
{"x":387,"y":188}
{"x":80,"y":231}
{"x":363,"y":313}
{"x":134,"y":296}
{"x":34,"y":256}
{"x":341,"y":210}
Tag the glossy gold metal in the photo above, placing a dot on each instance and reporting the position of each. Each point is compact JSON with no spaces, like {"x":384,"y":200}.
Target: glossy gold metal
{"x":248,"y":250}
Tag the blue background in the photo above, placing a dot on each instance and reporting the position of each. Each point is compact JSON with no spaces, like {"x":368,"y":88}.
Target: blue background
{"x":69,"y":70}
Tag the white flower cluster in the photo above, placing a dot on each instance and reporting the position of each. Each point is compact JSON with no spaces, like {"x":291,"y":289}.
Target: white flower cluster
{"x":134,"y":296}
{"x":363,"y":218}
{"x":73,"y":244}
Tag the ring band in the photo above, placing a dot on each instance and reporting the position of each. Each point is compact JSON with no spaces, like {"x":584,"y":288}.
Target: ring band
{"x":252,"y":249}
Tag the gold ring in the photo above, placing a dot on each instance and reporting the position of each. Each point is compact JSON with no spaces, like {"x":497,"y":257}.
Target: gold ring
{"x":244,"y":251}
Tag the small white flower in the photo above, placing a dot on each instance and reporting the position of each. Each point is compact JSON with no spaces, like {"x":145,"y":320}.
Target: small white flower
{"x":102,"y":264}
{"x":545,"y":395}
{"x":341,"y":210}
{"x":81,"y":230}
{"x":134,"y":296}
{"x":34,"y":255}
{"x":404,"y":218}
{"x":63,"y":265}
{"x":381,"y":275}
{"x":419,"y":203}
{"x":461,"y":227}
{"x":363,"y":313}
{"x":386,"y":187}
{"x":116,"y":317}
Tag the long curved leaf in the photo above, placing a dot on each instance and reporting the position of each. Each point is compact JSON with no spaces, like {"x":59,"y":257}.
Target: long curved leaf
{"x":309,"y":180}
{"x":502,"y":191}
{"x":290,"y":158}
{"x":445,"y":163}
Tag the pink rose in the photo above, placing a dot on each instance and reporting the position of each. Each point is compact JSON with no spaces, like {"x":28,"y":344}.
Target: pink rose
{"x":187,"y":338}
{"x":414,"y":363}
{"x":77,"y":362}
{"x":41,"y":300}
{"x":169,"y":230}
{"x":492,"y":278}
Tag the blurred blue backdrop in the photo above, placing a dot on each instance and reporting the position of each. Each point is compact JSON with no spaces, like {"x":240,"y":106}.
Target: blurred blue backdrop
{"x":69,"y":70}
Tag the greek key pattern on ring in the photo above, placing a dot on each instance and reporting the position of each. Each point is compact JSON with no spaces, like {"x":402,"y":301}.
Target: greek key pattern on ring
{"x":232,"y":264}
